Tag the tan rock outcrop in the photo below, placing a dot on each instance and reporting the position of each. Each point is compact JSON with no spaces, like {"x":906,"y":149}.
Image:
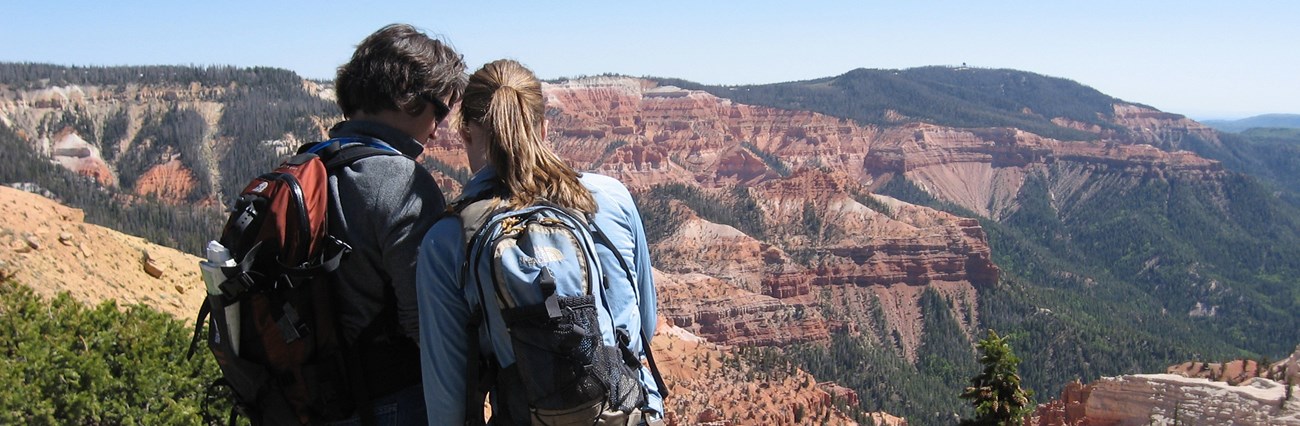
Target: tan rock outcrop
{"x":150,"y":266}
{"x":115,"y":269}
{"x":33,"y":242}
{"x":74,"y":153}
{"x":1147,"y":398}
{"x":1238,"y":392}
{"x":643,"y":134}
{"x":983,"y":169}
{"x":1165,"y":130}
{"x":1068,"y":410}
{"x":699,"y":246}
{"x":881,"y":418}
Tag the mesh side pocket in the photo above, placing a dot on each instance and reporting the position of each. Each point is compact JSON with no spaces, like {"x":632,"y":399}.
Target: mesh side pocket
{"x":625,"y":390}
{"x":245,"y":377}
{"x":562,"y":362}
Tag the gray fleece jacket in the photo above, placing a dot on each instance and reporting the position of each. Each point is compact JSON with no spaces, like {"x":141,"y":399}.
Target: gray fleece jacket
{"x":381,"y":206}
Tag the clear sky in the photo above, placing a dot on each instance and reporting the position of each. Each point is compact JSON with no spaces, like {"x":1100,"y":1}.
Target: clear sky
{"x":1204,"y":59}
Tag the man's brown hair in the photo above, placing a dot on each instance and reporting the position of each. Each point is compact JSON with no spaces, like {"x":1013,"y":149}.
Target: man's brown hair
{"x":397,"y":68}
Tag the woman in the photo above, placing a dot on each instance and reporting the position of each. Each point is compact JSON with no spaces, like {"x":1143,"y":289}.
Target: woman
{"x":503,"y":126}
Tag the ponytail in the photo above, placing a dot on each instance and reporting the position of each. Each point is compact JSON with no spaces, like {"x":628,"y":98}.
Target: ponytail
{"x":506,"y":98}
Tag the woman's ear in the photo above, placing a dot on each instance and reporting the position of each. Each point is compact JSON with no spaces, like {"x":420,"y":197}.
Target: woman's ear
{"x":476,"y":144}
{"x":463,"y":131}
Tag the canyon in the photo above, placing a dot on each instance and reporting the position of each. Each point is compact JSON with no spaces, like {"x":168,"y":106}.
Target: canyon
{"x":834,"y":255}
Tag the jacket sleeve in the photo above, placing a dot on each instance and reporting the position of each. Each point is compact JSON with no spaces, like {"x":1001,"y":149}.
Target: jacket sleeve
{"x":623,"y":223}
{"x":648,"y":301}
{"x":644,"y":274}
{"x":444,"y":315}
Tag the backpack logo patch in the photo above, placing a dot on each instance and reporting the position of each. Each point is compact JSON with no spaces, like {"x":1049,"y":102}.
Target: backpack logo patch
{"x":544,"y":255}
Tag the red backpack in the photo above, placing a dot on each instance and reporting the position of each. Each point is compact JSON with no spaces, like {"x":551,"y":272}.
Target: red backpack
{"x":270,"y":312}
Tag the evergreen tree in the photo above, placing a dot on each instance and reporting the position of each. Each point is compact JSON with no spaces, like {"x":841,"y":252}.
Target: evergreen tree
{"x":62,"y":362}
{"x":1288,"y":386}
{"x":995,"y":393}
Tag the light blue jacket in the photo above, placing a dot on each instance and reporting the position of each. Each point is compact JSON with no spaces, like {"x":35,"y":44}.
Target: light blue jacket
{"x":445,"y":305}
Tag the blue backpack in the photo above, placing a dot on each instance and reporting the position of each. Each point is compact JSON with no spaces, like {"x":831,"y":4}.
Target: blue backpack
{"x":572,"y":366}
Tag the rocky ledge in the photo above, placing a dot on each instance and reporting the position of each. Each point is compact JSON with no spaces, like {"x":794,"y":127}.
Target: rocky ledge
{"x":1234,"y":393}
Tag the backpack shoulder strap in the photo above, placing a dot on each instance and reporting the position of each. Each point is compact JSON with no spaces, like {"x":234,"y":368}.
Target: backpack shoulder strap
{"x":480,"y":371}
{"x":474,"y":210}
{"x":339,"y":152}
{"x":336,"y":153}
{"x":473,"y":215}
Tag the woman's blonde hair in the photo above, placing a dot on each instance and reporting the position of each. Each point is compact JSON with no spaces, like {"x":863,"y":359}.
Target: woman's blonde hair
{"x":506,"y":98}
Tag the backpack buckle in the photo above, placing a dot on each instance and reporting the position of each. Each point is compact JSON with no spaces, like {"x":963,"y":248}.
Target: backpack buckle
{"x":286,"y":279}
{"x":237,"y":285}
{"x":546,"y":282}
{"x":624,"y":339}
{"x":291,"y":325}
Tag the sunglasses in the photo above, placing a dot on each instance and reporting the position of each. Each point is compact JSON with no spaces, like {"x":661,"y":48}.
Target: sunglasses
{"x":440,"y":109}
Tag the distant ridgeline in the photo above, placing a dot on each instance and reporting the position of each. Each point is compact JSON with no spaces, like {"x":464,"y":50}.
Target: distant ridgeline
{"x":1266,"y":146}
{"x":40,"y":76}
{"x":956,"y":97}
{"x":1271,"y":154}
{"x":1266,"y":121}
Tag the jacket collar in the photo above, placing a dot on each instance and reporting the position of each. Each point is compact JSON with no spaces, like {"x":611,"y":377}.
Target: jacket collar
{"x":483,"y":181}
{"x":389,"y":135}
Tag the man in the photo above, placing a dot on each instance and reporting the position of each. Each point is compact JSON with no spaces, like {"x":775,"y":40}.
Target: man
{"x":394,"y":93}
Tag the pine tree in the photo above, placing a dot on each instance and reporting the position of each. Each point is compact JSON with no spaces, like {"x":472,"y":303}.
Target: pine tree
{"x":995,"y":392}
{"x":1288,"y":388}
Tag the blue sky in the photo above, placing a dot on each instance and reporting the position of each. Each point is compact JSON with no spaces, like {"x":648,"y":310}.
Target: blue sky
{"x":1205,"y":59}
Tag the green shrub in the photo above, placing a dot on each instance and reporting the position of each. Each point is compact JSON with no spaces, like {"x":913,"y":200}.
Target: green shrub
{"x":64,"y":363}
